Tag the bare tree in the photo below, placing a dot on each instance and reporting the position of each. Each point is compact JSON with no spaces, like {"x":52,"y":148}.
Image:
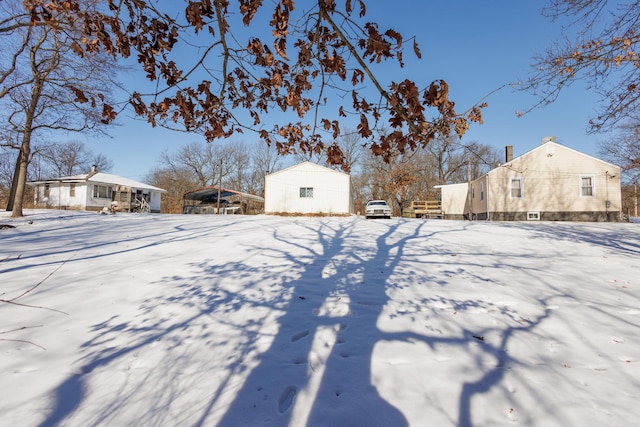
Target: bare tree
{"x":265,"y":159}
{"x":191,"y":161}
{"x":318,"y":157}
{"x":177,"y":181}
{"x":413,"y":176}
{"x":624,"y":149}
{"x":71,"y":158}
{"x":7,"y":162}
{"x":12,"y":142}
{"x":46,"y":87}
{"x":393,"y":179}
{"x":456,"y":162}
{"x":208,"y":164}
{"x":600,"y":46}
{"x":65,"y":159}
{"x":240,"y":164}
{"x":351,"y":145}
{"x":100,"y":161}
{"x":323,"y":50}
{"x":198,"y":165}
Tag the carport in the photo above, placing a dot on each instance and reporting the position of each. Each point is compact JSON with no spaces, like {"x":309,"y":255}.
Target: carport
{"x":217,"y":200}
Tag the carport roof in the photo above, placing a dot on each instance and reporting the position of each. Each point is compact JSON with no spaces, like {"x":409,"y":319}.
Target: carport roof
{"x":211,"y":191}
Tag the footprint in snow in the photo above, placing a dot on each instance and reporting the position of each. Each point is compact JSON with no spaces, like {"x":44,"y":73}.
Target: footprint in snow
{"x":299,"y":336}
{"x":286,"y":398}
{"x":299,"y":361}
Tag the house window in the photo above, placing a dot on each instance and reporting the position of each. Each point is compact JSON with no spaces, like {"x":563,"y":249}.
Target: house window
{"x":306,"y":192}
{"x":72,"y":190}
{"x":516,"y":188}
{"x":586,"y":186}
{"x":101,"y":192}
{"x":482,"y":191}
{"x":46,"y":190}
{"x":473,"y":192}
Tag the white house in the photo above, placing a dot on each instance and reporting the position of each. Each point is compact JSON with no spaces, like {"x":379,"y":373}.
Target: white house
{"x":308,"y":188}
{"x":453,"y":200}
{"x":551,"y":182}
{"x":94,"y":191}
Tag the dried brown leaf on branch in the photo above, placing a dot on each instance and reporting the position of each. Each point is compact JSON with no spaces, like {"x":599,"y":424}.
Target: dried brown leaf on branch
{"x":600,"y":46}
{"x":80,"y":96}
{"x":300,"y":61}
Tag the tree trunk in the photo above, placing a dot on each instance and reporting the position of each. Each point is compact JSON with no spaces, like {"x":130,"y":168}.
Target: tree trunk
{"x":25,"y":149}
{"x":14,"y":183}
{"x":21,"y":183}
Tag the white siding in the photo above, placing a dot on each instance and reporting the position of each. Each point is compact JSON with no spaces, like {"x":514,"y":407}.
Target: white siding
{"x":154,"y":202}
{"x":331,"y":191}
{"x":454,"y":199}
{"x":97,"y":203}
{"x":60,"y":197}
{"x":551,"y":181}
{"x":479,"y":196}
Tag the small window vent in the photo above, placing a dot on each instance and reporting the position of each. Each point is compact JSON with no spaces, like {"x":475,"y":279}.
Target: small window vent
{"x":533,"y":216}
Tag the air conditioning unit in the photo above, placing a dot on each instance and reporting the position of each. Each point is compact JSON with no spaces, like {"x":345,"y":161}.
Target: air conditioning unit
{"x":533,"y":216}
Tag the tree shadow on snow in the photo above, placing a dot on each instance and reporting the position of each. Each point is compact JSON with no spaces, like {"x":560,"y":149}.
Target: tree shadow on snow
{"x":318,"y":370}
{"x":120,"y":344}
{"x":327,"y":336}
{"x":617,"y":237}
{"x":287,"y":335}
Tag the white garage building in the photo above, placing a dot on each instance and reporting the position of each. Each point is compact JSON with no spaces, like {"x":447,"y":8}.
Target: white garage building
{"x":308,"y":188}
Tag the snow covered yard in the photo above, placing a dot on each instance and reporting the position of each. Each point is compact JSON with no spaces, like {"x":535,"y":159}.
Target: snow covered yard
{"x":189,"y":320}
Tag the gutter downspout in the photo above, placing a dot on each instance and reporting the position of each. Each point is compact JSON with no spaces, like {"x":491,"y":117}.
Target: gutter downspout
{"x":469,"y":198}
{"x":488,"y":204}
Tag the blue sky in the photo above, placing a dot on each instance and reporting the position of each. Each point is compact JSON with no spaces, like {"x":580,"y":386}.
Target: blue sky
{"x":476,"y":46}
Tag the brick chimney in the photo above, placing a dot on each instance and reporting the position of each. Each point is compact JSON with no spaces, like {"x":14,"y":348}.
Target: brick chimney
{"x":508,"y":153}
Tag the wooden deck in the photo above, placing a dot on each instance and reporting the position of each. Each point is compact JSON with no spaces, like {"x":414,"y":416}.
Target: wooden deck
{"x":423,"y":209}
